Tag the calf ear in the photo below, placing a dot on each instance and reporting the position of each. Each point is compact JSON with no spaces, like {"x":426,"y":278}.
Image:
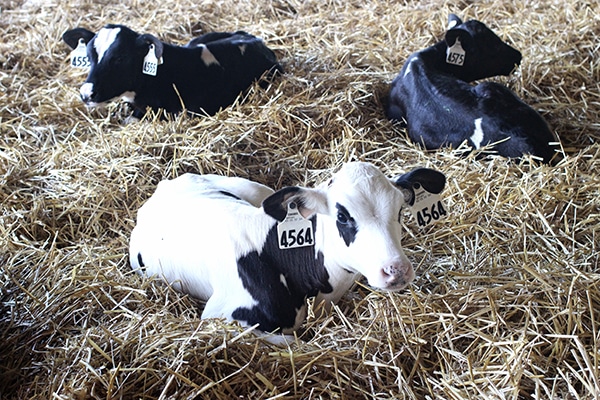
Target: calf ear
{"x":431,"y":180}
{"x":453,"y":20}
{"x":72,"y":36}
{"x":462,"y":34}
{"x":146,"y":39}
{"x":309,"y":202}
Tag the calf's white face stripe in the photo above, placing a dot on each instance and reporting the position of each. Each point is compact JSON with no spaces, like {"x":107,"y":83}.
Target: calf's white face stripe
{"x":477,"y":137}
{"x":104,"y":39}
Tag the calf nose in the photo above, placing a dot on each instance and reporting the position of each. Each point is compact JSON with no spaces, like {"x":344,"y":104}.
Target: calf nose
{"x":86,"y":92}
{"x":398,"y":274}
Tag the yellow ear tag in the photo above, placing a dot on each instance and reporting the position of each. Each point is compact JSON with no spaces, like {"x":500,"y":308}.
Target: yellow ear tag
{"x":79,"y":58}
{"x":295,"y":230}
{"x":428,"y":207}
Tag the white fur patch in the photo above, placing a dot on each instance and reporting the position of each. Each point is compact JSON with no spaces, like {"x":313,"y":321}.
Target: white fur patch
{"x":104,"y":39}
{"x":452,"y":24}
{"x":477,"y":137}
{"x":86,"y":91}
{"x":408,"y":67}
{"x":128,"y":97}
{"x":242,"y":49}
{"x":208,"y":57}
{"x":283,"y":280}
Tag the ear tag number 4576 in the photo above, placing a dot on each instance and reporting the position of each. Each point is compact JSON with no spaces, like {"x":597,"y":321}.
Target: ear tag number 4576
{"x":428,"y":207}
{"x":295,"y":230}
{"x":455,"y":55}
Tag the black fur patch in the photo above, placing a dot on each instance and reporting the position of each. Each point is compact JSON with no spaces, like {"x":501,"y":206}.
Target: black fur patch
{"x":229,"y":194}
{"x":273,"y":205}
{"x":260,"y":273}
{"x":140,"y":261}
{"x":345,"y":224}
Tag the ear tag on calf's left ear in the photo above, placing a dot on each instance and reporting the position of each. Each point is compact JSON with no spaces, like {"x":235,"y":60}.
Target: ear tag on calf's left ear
{"x":151,"y":63}
{"x":455,"y":55}
{"x":295,"y":230}
{"x":428,"y":207}
{"x":79,"y":58}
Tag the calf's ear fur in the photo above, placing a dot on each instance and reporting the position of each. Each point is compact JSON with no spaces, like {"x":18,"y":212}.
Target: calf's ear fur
{"x":72,"y":36}
{"x":453,"y":20}
{"x":466,"y":40}
{"x":433,"y":181}
{"x":309,"y":202}
{"x":146,"y":39}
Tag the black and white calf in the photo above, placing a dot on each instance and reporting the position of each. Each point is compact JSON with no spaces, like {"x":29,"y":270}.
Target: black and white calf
{"x":441,"y":108}
{"x":204,"y":76}
{"x":207,"y":236}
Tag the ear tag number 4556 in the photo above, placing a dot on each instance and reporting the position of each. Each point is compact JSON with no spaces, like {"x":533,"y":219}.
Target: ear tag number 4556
{"x":428,"y":207}
{"x":455,"y":55}
{"x":295,"y":230}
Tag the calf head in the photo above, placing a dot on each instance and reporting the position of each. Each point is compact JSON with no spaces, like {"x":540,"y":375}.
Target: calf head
{"x":485,"y":54}
{"x":116,"y":54}
{"x":358,"y":212}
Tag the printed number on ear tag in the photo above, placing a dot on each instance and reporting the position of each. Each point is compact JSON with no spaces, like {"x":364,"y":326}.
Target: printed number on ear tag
{"x":295,"y":230}
{"x":428,"y":207}
{"x":79,"y":58}
{"x":456,"y":54}
{"x":151,"y":63}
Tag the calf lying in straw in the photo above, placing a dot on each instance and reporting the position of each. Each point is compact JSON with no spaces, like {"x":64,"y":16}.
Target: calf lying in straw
{"x":209,"y":236}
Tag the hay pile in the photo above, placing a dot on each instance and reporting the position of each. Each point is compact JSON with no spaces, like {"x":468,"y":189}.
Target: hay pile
{"x":506,"y":304}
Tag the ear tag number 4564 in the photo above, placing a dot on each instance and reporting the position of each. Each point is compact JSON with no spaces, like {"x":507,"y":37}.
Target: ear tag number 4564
{"x":428,"y":207}
{"x":455,"y":55}
{"x":295,"y":230}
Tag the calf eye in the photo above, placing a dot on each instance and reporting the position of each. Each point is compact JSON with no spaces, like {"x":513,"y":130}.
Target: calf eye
{"x":343,"y":218}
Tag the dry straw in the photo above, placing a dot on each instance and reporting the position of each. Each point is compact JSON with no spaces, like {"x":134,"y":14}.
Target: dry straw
{"x":507,"y":296}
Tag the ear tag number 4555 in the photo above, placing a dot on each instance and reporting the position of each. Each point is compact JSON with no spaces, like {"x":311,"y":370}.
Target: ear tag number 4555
{"x":295,"y":230}
{"x":455,"y":55}
{"x":79,"y":58}
{"x":428,"y":207}
{"x":151,"y":63}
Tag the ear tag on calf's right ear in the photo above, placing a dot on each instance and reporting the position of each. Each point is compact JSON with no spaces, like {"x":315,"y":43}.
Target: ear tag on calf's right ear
{"x":455,"y":55}
{"x":79,"y":58}
{"x":151,"y":63}
{"x":428,"y":207}
{"x":295,"y":230}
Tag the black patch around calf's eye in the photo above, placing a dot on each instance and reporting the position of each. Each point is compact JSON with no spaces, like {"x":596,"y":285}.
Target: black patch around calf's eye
{"x":345,"y":224}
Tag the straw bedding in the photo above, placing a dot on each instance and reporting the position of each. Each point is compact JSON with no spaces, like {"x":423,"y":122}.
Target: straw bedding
{"x":506,"y":302}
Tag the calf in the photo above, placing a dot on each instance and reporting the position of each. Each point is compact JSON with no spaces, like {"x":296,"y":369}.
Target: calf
{"x":441,"y":108}
{"x":204,"y":76}
{"x":206,"y":236}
